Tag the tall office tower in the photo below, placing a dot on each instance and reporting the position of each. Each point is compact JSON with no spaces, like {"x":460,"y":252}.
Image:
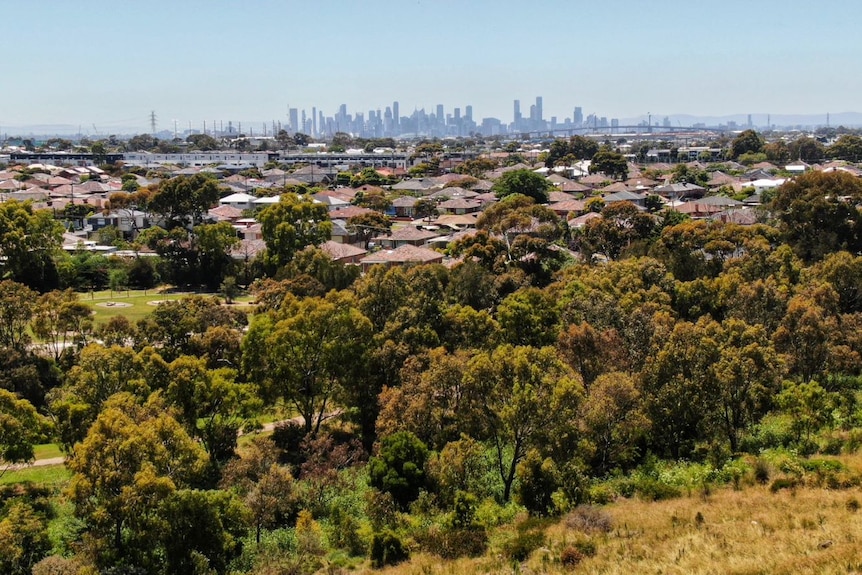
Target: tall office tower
{"x":579,"y":116}
{"x":321,"y":124}
{"x":539,"y":116}
{"x":468,"y":113}
{"x":440,"y":116}
{"x":293,"y":115}
{"x":313,"y":122}
{"x":396,"y":118}
{"x":517,"y":116}
{"x":533,"y":115}
{"x":750,"y":125}
{"x":342,"y":110}
{"x":304,"y":129}
{"x":457,"y":114}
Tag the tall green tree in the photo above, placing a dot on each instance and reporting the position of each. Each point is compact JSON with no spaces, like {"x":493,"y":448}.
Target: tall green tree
{"x":531,"y":401}
{"x":818,"y":214}
{"x":847,"y":147}
{"x":747,"y":142}
{"x":29,"y":240}
{"x":210,"y":404}
{"x":525,"y":182}
{"x":291,"y":225}
{"x":17,"y":305}
{"x":184,"y":200}
{"x":20,"y":428}
{"x":307,"y":353}
{"x":62,"y":319}
{"x":610,"y":163}
{"x":132,"y":459}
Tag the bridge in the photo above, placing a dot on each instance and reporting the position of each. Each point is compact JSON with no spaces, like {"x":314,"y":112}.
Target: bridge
{"x":636,"y":131}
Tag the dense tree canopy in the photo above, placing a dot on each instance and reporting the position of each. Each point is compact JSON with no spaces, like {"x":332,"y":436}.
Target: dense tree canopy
{"x":292,"y":224}
{"x":524,"y":182}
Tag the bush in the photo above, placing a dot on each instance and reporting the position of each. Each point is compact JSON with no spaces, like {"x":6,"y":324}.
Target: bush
{"x":761,"y":471}
{"x":399,"y":468}
{"x":387,"y":549}
{"x":529,"y":536}
{"x":655,"y":490}
{"x":537,"y":481}
{"x":288,"y":436}
{"x":571,"y":556}
{"x":519,"y":547}
{"x":601,"y":494}
{"x":783,"y":483}
{"x":589,"y":519}
{"x":453,"y":543}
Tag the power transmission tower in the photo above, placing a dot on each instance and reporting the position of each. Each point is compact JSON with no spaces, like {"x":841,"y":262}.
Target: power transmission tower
{"x":153,"y":122}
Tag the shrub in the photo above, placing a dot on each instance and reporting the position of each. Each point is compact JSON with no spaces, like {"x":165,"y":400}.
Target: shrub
{"x":399,"y":468}
{"x":783,"y":483}
{"x":655,"y":490}
{"x":589,"y":519}
{"x":387,"y":549}
{"x":537,"y":481}
{"x":288,"y":436}
{"x":852,"y":505}
{"x":601,"y":494}
{"x":854,"y":441}
{"x":529,"y":536}
{"x":453,"y":543}
{"x":571,"y":556}
{"x":761,"y":471}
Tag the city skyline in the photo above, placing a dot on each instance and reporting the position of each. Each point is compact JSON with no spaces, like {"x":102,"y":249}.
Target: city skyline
{"x":104,"y":67}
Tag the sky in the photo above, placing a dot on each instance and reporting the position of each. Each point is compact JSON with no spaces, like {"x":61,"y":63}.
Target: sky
{"x":109,"y":64}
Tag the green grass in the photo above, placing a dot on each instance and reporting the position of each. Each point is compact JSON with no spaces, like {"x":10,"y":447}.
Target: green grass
{"x":47,"y":451}
{"x":48,"y":474}
{"x":136,"y":304}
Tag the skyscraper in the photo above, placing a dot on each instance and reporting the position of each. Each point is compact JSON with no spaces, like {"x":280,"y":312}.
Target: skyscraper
{"x":396,"y":117}
{"x":539,"y":115}
{"x":293,"y":115}
{"x":468,"y":113}
{"x":579,"y":116}
{"x":517,"y":116}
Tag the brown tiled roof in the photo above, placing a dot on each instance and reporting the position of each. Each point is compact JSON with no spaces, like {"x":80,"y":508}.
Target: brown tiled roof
{"x":410,"y":234}
{"x":554,"y":197}
{"x":348,"y":212}
{"x":459,"y":203}
{"x":404,"y":254}
{"x":338,"y":251}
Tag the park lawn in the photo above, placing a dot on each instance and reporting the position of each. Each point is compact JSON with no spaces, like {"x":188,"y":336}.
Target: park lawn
{"x":48,"y":451}
{"x":46,"y":475}
{"x":137,"y":304}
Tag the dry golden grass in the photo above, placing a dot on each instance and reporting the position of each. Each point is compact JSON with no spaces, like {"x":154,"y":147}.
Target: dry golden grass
{"x":753,"y":531}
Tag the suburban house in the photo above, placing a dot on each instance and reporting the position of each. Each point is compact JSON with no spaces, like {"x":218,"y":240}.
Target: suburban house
{"x":404,"y":255}
{"x":404,"y":206}
{"x":129,"y":222}
{"x":459,"y":206}
{"x":240,"y":201}
{"x":405,"y":236}
{"x":344,"y":253}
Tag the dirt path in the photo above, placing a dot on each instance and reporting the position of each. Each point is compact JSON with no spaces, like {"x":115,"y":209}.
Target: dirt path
{"x":267,"y":427}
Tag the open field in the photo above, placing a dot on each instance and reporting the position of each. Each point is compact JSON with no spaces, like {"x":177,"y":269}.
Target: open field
{"x":137,"y":304}
{"x":754,"y":531}
{"x":49,"y":474}
{"x":48,"y":451}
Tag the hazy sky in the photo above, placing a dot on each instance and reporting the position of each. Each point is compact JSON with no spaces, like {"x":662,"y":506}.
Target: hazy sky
{"x":109,"y":63}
